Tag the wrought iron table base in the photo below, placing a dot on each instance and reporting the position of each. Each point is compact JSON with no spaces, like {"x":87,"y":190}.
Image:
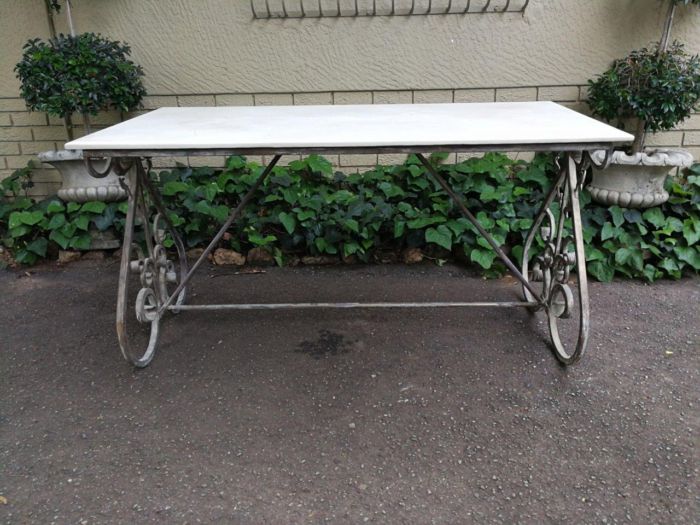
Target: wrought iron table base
{"x":545,"y":279}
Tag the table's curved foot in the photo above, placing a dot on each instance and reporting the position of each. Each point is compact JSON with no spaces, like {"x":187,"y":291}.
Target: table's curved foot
{"x":146,"y":273}
{"x":566,"y":302}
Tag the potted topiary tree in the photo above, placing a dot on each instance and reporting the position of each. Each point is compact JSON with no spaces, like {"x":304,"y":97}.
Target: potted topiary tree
{"x":78,"y":74}
{"x":651,"y":90}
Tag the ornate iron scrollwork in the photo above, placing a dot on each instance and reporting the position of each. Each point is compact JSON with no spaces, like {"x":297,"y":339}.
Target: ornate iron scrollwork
{"x":148,"y":260}
{"x":558,"y":227}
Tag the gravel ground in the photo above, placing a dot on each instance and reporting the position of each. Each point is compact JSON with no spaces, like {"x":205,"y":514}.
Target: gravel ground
{"x":421,"y":416}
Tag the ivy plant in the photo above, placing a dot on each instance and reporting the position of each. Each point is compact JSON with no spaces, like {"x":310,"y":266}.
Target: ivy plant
{"x":308,"y":209}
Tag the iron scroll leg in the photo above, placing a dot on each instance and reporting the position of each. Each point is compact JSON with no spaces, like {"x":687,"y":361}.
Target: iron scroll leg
{"x":149,"y":261}
{"x":552,"y":267}
{"x":156,"y":273}
{"x":146,"y":295}
{"x":567,"y":309}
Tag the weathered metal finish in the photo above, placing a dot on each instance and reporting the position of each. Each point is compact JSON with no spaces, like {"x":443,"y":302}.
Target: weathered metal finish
{"x":156,"y":273}
{"x":552,"y":267}
{"x":281,"y":9}
{"x":154,"y":269}
{"x":306,"y":306}
{"x":449,"y":148}
{"x":138,"y":359}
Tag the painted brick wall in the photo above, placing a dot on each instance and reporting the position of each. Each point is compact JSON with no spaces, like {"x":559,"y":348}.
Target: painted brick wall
{"x":24,"y":134}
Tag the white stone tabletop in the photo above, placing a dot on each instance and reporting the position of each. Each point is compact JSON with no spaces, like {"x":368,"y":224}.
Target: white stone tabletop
{"x":353,"y":126}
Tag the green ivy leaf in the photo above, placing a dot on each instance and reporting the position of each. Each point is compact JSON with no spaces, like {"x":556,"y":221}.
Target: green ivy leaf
{"x":671,"y":267}
{"x":174,"y":187}
{"x":608,"y":232}
{"x":55,"y":207}
{"x":422,"y":222}
{"x":534,"y":174}
{"x":56,"y":222}
{"x":235,"y":162}
{"x":691,"y":230}
{"x":352,"y":225}
{"x":651,"y":273}
{"x":304,"y":215}
{"x":82,"y":222}
{"x":29,"y":218}
{"x":38,"y":246}
{"x":654,"y":216}
{"x":442,"y":236}
{"x":688,"y":254}
{"x":93,"y":207}
{"x":288,"y":221}
{"x":210,"y":191}
{"x":601,"y":271}
{"x":391,"y":190}
{"x":60,"y":239}
{"x":350,"y":248}
{"x":618,"y":216}
{"x":81,"y":242}
{"x":483,"y":258}
{"x":24,"y":256}
{"x":627,"y":256}
{"x":594,"y":254}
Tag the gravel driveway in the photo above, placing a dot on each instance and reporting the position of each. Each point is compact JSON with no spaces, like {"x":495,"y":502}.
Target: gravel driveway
{"x":422,"y":416}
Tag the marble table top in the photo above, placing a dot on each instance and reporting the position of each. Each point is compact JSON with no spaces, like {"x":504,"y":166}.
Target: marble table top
{"x":354,"y":126}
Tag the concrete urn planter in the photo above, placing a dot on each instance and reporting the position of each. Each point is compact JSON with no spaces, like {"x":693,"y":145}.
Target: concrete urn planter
{"x":78,"y":185}
{"x":637,"y":180}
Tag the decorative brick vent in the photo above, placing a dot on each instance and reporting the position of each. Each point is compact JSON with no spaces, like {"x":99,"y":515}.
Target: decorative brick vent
{"x":267,"y":9}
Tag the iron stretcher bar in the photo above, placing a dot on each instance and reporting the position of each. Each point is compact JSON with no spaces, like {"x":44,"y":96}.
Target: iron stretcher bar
{"x":302,"y":306}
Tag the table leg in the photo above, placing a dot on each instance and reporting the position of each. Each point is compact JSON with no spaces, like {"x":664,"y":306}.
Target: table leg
{"x":146,"y":267}
{"x":552,"y":267}
{"x":561,"y":236}
{"x":155,"y":271}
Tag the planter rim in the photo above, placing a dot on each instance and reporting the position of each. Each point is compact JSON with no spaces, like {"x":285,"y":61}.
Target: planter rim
{"x":62,"y":154}
{"x":679,"y":158}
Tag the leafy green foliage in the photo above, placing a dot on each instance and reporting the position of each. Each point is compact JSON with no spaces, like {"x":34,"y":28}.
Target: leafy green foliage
{"x":84,"y":74}
{"x":649,"y":244}
{"x":662,"y":88}
{"x":31,"y":230}
{"x":306,"y":208}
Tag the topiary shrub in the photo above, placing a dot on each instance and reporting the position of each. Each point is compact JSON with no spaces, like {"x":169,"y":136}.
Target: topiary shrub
{"x":82,"y":74}
{"x":658,"y":87}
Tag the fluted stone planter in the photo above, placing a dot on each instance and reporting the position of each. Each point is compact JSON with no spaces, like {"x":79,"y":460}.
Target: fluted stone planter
{"x":635,"y":181}
{"x":78,"y":185}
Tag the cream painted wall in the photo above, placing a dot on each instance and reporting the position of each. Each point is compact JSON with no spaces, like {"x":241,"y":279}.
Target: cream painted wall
{"x":214,"y":46}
